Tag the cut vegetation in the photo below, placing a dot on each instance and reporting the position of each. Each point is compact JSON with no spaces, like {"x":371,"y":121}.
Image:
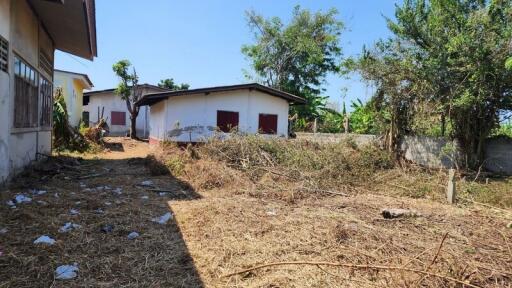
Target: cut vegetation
{"x":249,"y":212}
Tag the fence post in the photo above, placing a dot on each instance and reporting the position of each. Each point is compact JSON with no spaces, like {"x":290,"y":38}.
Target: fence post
{"x":346,"y":124}
{"x":450,"y":190}
{"x":314,"y":126}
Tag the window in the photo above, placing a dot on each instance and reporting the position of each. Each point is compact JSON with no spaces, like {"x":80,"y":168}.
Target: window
{"x":26,"y":82}
{"x":267,"y":124}
{"x":46,"y":92}
{"x":85,"y":100}
{"x":4,"y":52}
{"x":118,"y":118}
{"x":226,"y":120}
{"x":45,"y":63}
{"x":85,"y":118}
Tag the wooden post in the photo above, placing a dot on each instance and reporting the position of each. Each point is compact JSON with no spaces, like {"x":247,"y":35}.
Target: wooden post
{"x":346,"y":124}
{"x":450,"y":190}
{"x":314,"y":126}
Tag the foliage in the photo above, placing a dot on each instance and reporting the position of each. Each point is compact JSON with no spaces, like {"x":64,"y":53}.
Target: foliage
{"x":505,"y":129}
{"x":296,"y":57}
{"x":362,"y":119}
{"x":129,"y":90}
{"x":448,"y":55}
{"x":65,"y":137}
{"x":169,"y":84}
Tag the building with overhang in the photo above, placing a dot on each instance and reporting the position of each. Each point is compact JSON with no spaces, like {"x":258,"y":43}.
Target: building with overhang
{"x":30,"y":32}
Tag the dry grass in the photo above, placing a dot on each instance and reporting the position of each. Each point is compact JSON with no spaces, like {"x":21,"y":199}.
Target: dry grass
{"x":247,"y":202}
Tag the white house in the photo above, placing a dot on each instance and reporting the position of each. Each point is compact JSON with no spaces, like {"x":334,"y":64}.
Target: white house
{"x":194,"y":115}
{"x":30,"y":31}
{"x":114,"y":110}
{"x":73,"y":85}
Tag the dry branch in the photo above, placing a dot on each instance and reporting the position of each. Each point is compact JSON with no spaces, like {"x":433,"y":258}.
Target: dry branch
{"x":353,"y":266}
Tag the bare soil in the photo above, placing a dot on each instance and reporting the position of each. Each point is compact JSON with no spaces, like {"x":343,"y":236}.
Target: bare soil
{"x":221,"y":225}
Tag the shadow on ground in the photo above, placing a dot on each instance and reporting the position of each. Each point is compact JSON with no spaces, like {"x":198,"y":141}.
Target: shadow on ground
{"x":104,"y":192}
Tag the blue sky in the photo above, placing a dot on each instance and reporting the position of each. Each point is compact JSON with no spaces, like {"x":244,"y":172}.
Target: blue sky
{"x":199,"y":41}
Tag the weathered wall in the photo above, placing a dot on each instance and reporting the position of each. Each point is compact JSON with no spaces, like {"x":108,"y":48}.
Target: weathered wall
{"x":19,"y":146}
{"x":157,"y":121}
{"x":113,"y":102}
{"x":359,"y":139}
{"x":72,"y":89}
{"x":194,"y":117}
{"x":427,"y":151}
{"x":5,"y":21}
{"x":498,"y":155}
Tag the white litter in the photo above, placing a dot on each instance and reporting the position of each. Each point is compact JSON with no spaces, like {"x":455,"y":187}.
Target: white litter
{"x":77,"y":203}
{"x":4,"y":231}
{"x":99,"y":211}
{"x":56,"y":195}
{"x":107,"y":187}
{"x":144,"y":197}
{"x":87,"y":190}
{"x":163,"y":193}
{"x":38,"y":192}
{"x":163,"y":219}
{"x":108,"y":203}
{"x":133,"y":235}
{"x":68,"y":227}
{"x":99,"y":188}
{"x":20,"y":198}
{"x":271,"y":213}
{"x":66,"y":272}
{"x":146,"y":183}
{"x":41,"y":202}
{"x":118,"y":191}
{"x":45,"y":240}
{"x":11,"y":204}
{"x":82,"y":185}
{"x":74,"y":212}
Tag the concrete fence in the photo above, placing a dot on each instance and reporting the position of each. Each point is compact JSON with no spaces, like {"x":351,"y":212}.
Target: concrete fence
{"x":431,"y":152}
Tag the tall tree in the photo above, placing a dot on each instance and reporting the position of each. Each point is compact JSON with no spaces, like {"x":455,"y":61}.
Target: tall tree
{"x":296,"y":57}
{"x":169,"y":84}
{"x":129,"y":90}
{"x":451,"y":56}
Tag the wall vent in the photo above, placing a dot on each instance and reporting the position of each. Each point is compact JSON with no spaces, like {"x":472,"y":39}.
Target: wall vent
{"x":4,"y":55}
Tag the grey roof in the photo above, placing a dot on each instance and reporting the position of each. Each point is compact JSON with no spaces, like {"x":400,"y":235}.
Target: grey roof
{"x":152,"y":98}
{"x":92,"y":93}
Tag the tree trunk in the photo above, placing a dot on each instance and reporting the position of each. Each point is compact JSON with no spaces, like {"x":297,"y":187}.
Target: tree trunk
{"x":133,"y":127}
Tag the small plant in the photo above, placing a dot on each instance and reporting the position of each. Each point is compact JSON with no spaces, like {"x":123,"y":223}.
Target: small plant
{"x":176,"y":165}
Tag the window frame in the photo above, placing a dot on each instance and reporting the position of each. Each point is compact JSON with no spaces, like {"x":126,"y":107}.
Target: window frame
{"x":263,"y":117}
{"x":228,"y":127}
{"x":31,"y":77}
{"x":49,"y":102}
{"x":112,"y":118}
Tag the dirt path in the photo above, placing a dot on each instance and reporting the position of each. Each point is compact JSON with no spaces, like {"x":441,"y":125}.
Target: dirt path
{"x":113,"y":198}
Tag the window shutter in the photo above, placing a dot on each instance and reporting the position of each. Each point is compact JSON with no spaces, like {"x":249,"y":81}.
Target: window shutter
{"x":118,"y":118}
{"x":227,"y":120}
{"x":267,"y":124}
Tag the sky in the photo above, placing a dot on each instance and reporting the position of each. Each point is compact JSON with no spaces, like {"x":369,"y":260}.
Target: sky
{"x":199,"y":41}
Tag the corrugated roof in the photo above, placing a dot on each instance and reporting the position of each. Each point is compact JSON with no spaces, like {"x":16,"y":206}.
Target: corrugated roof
{"x":150,"y":99}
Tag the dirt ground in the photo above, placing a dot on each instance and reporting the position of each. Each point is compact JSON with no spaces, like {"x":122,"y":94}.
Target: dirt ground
{"x":220,"y":231}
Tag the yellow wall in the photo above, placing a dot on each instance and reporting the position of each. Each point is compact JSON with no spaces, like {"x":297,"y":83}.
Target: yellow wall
{"x":72,"y":89}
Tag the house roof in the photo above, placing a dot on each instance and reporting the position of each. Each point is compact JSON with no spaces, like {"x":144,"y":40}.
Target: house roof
{"x":145,"y":85}
{"x":83,"y":77}
{"x":71,"y":24}
{"x":153,"y":98}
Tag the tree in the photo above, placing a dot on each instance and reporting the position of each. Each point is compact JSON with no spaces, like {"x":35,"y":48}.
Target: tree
{"x":169,"y":84}
{"x":296,"y":57}
{"x":449,"y":55}
{"x":129,"y":90}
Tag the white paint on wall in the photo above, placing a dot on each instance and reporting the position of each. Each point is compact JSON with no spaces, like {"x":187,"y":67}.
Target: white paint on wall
{"x":193,"y":118}
{"x":112,"y":102}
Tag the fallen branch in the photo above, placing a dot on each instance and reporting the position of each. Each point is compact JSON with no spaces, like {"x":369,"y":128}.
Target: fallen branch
{"x":325,"y":191}
{"x":353,"y":266}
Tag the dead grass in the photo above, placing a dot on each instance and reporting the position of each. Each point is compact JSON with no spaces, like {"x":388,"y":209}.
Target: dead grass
{"x":240,"y":204}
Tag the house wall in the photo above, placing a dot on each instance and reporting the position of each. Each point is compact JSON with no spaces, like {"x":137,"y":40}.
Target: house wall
{"x":18,"y":147}
{"x":5,"y":25}
{"x":113,"y":102}
{"x":193,"y":118}
{"x":72,"y":90}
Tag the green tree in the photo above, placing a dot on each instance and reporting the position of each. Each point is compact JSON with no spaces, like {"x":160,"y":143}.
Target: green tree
{"x":169,"y":84}
{"x":448,"y":55}
{"x":362,"y":118}
{"x":129,"y":90}
{"x":296,"y":57}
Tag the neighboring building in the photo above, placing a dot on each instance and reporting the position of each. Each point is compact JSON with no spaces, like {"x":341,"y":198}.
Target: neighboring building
{"x":194,"y":115}
{"x":30,"y":31}
{"x":73,"y":86}
{"x":114,"y":110}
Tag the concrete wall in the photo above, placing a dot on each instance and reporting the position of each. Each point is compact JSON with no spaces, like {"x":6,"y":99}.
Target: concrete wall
{"x":359,"y":139}
{"x":113,"y":102}
{"x":5,"y":85}
{"x":428,"y":151}
{"x":498,"y":155}
{"x":194,"y":117}
{"x":19,"y":146}
{"x":72,"y":89}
